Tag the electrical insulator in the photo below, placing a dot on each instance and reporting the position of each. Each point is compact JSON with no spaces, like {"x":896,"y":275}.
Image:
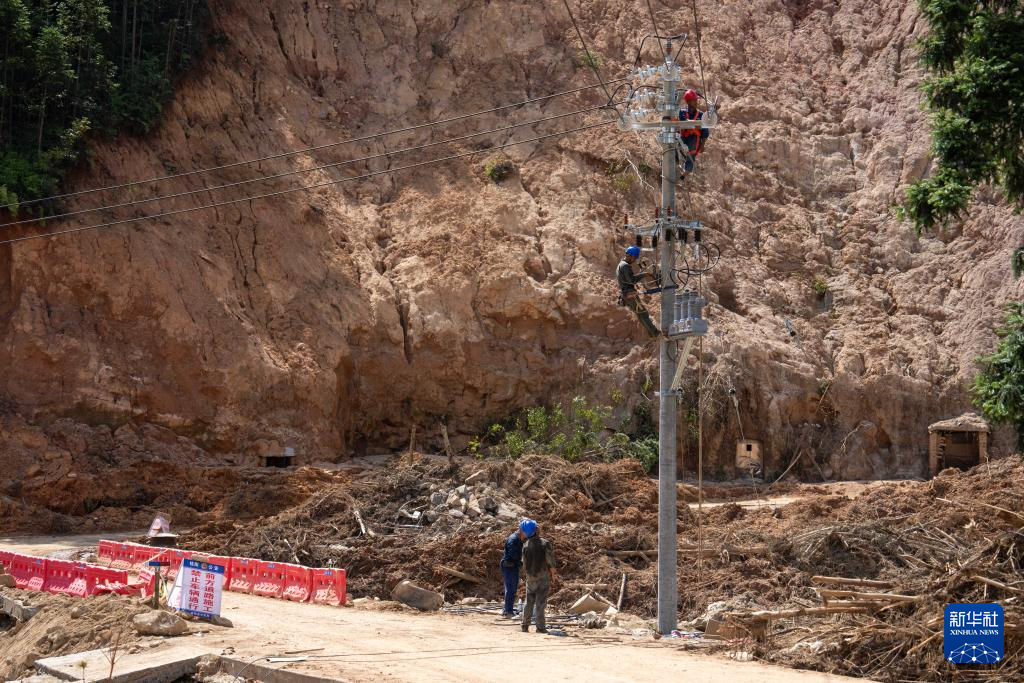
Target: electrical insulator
{"x":689,"y":315}
{"x":654,"y":241}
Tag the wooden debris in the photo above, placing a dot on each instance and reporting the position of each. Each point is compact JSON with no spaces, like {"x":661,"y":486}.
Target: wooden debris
{"x":838,"y":580}
{"x":827,"y":595}
{"x":456,"y":573}
{"x":367,"y":531}
{"x":770,"y":615}
{"x":622,"y":593}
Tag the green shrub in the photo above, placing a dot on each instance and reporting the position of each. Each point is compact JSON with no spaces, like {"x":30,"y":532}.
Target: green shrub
{"x":588,"y":60}
{"x":497,"y":170}
{"x":574,"y":432}
{"x":820,"y":286}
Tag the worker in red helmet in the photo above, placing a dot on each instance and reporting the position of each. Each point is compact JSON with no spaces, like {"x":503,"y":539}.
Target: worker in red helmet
{"x":693,"y":138}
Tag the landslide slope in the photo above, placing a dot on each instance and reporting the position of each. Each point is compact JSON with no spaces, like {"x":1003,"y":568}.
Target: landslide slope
{"x":334,"y":320}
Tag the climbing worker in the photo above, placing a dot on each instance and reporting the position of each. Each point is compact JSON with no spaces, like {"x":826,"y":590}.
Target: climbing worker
{"x":539,"y":562}
{"x":693,"y":138}
{"x":511,"y":561}
{"x":628,"y":296}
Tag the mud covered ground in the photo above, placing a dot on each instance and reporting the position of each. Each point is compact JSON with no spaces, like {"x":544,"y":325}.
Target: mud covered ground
{"x":957,"y":538}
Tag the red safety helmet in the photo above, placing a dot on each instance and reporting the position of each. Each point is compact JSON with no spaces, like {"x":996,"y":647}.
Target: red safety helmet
{"x":690,"y":95}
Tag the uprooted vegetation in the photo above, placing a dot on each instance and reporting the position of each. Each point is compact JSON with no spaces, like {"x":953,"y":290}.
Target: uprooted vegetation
{"x":957,"y":538}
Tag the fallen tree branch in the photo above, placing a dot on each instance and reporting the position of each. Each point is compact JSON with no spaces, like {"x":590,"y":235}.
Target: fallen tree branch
{"x":838,"y":580}
{"x":769,"y":615}
{"x":827,"y":595}
{"x":362,"y":527}
{"x":455,"y":572}
{"x":622,"y":593}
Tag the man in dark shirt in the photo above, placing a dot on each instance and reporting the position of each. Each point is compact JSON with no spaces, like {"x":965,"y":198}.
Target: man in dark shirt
{"x":627,"y":286}
{"x":511,"y":561}
{"x":693,"y":138}
{"x":539,"y":562}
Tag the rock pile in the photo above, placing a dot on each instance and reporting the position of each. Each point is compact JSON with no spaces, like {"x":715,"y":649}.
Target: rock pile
{"x":475,"y":499}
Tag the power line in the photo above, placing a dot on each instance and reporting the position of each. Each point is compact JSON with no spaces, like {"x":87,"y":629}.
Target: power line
{"x":309,"y":149}
{"x":700,"y":56}
{"x":657,"y":33}
{"x":300,"y":171}
{"x":305,"y":187}
{"x":590,"y":57}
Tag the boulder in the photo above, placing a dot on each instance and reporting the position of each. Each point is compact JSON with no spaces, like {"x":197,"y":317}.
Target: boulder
{"x":7,"y":581}
{"x":419,"y":598}
{"x":437,"y":498}
{"x":489,"y":504}
{"x":218,"y":620}
{"x":456,"y":514}
{"x":159,"y":623}
{"x":473,"y":508}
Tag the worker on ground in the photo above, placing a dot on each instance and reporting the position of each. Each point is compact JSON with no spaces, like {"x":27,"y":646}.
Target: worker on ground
{"x":511,"y":561}
{"x":539,"y":562}
{"x":693,"y":138}
{"x":628,"y":296}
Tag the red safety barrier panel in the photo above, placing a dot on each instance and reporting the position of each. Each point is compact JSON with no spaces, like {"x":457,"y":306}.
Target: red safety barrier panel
{"x":124,"y":556}
{"x":175,"y":557}
{"x":106,"y":550}
{"x":298,"y":583}
{"x":60,"y":575}
{"x":243,"y":573}
{"x":5,"y":558}
{"x":328,"y":586}
{"x":146,"y":583}
{"x":28,"y":572}
{"x":141,"y":554}
{"x":221,"y":561}
{"x":269,"y":579}
{"x":104,"y":580}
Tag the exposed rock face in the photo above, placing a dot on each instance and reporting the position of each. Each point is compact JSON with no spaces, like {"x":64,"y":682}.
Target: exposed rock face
{"x":333,"y":321}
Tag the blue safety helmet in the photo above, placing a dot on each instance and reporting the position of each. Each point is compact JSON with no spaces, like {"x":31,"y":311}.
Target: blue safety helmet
{"x":633,"y":251}
{"x":528,"y":527}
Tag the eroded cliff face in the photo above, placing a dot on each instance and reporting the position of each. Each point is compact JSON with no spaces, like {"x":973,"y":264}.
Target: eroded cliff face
{"x":333,"y":321}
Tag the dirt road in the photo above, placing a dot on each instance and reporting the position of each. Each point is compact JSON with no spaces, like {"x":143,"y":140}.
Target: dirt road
{"x":358,"y":644}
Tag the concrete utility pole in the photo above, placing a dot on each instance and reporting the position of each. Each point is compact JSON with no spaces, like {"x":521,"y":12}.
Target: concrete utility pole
{"x":681,"y":315}
{"x":668,"y":410}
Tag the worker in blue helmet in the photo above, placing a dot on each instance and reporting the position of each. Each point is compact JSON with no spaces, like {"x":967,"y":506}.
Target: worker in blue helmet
{"x":511,"y":562}
{"x":628,"y":295}
{"x":539,"y":563}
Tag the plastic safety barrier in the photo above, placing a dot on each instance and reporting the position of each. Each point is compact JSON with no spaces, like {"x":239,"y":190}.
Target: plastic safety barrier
{"x":328,"y":586}
{"x":243,"y":572}
{"x":64,"y":576}
{"x":5,"y":559}
{"x":141,"y":554}
{"x":105,"y":580}
{"x":28,"y":572}
{"x":269,"y":579}
{"x":175,"y":557}
{"x":146,"y":583}
{"x":124,"y":556}
{"x":106,"y":550}
{"x":298,"y":582}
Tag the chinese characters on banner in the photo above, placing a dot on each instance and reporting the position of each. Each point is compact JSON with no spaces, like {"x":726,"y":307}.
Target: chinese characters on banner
{"x":198,"y":588}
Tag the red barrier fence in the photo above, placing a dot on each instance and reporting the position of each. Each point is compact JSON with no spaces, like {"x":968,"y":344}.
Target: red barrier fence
{"x":123,"y":556}
{"x":62,"y":576}
{"x":298,"y":582}
{"x":175,"y":557}
{"x":141,"y":554}
{"x":105,"y":551}
{"x":269,"y":580}
{"x":243,"y":572}
{"x":104,"y":580}
{"x":328,"y":586}
{"x":28,"y":572}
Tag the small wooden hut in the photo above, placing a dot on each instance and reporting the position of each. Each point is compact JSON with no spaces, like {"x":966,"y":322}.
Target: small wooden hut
{"x":960,"y":442}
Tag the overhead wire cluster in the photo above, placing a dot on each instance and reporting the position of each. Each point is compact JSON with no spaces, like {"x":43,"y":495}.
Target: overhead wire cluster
{"x":124,"y":187}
